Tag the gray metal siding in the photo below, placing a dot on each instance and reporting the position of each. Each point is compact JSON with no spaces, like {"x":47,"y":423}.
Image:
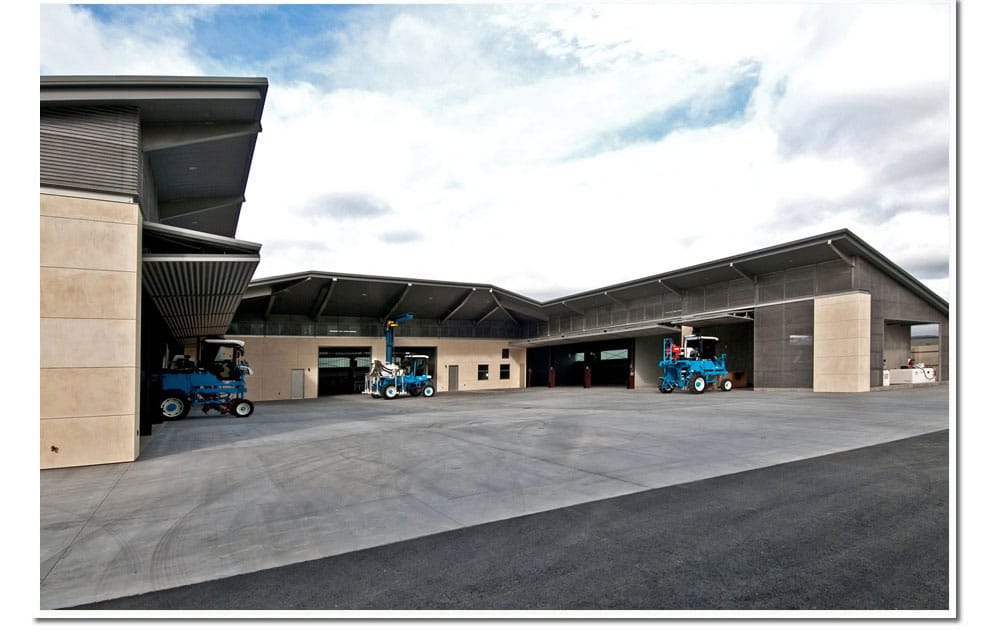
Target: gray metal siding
{"x":90,"y":148}
{"x":894,"y":302}
{"x":783,"y":345}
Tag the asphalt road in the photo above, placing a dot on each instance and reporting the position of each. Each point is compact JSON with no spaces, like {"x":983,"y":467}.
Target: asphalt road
{"x":865,"y":529}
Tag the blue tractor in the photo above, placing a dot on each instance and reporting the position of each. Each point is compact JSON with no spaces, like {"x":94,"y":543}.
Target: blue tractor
{"x":408,"y":377}
{"x":218,"y":383}
{"x":693,"y":366}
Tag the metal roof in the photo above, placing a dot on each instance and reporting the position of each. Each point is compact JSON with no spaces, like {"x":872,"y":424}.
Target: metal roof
{"x":198,"y":135}
{"x":316,"y":293}
{"x":196,"y":280}
{"x":828,"y":247}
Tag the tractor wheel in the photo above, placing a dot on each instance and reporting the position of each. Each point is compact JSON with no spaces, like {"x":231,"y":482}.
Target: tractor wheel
{"x":174,"y":406}
{"x":241,"y":408}
{"x":698,"y":384}
{"x":389,"y":392}
{"x":727,"y":385}
{"x":664,"y":388}
{"x":428,"y":390}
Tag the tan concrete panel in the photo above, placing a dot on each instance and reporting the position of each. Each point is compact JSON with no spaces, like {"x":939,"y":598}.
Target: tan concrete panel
{"x":85,"y":441}
{"x":841,"y":329}
{"x":91,"y":209}
{"x":844,"y":365}
{"x":87,"y":343}
{"x":273,"y":358}
{"x":848,"y":383}
{"x":81,"y":244}
{"x":82,"y":392}
{"x":90,"y":294}
{"x":841,"y":347}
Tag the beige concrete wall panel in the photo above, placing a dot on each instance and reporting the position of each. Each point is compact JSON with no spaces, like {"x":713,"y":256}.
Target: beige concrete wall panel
{"x":846,"y":365}
{"x":842,"y":343}
{"x":273,"y":359}
{"x":844,"y":383}
{"x":88,"y":294}
{"x":90,"y":209}
{"x":87,"y":343}
{"x":84,"y":441}
{"x":841,"y":329}
{"x":841,"y":347}
{"x":82,"y":244}
{"x":87,"y":392}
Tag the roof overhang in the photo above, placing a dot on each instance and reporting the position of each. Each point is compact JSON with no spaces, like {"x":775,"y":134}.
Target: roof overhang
{"x":315,"y":294}
{"x":715,"y":319}
{"x":198,"y":137}
{"x":645,"y":329}
{"x":195,"y":280}
{"x":841,"y":246}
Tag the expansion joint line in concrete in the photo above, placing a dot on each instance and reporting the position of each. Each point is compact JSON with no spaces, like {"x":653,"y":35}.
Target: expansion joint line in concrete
{"x":125,"y":469}
{"x":547,"y":461}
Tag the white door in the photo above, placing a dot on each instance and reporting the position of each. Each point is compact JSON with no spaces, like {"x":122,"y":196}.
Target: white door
{"x":298,"y":383}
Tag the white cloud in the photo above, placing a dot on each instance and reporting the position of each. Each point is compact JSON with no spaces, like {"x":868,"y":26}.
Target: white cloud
{"x":528,"y":145}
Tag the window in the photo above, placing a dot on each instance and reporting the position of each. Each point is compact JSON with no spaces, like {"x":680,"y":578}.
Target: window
{"x":612,"y":355}
{"x":504,"y":371}
{"x":505,"y":354}
{"x":484,"y":372}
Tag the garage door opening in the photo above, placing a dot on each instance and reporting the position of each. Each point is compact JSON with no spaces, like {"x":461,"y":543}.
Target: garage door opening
{"x":608,"y":363}
{"x":342,"y":370}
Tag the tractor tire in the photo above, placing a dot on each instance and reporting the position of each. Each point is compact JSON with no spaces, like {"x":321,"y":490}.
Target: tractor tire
{"x":389,"y":392}
{"x":428,"y":390}
{"x":727,"y":385}
{"x":698,"y":384}
{"x":174,"y":406}
{"x":241,"y":408}
{"x":665,"y":389}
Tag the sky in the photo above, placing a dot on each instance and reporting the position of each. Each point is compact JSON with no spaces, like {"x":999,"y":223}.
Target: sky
{"x":555,"y":148}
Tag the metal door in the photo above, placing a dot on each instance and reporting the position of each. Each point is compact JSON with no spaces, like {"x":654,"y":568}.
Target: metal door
{"x":298,"y":383}
{"x":452,"y":378}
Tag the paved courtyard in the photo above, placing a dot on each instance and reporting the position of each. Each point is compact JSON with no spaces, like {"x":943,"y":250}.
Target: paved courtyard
{"x":214,"y":496}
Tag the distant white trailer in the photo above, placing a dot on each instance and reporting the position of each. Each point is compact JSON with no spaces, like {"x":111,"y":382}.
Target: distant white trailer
{"x":916,"y":374}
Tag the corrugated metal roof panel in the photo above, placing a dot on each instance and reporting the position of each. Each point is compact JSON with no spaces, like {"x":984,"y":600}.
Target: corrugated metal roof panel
{"x":197,"y":294}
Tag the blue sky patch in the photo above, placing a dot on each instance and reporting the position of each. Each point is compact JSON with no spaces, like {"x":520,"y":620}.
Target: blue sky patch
{"x":727,"y":105}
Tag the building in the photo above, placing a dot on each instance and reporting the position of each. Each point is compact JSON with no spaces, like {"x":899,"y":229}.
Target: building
{"x":141,"y":184}
{"x":820,"y":314}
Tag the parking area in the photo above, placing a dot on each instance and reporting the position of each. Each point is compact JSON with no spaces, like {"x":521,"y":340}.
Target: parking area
{"x":214,"y":496}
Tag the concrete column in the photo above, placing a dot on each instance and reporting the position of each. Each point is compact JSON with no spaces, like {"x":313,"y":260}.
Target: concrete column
{"x":89,"y":322}
{"x":842,"y":343}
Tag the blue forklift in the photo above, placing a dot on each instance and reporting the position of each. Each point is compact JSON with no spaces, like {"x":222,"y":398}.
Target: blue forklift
{"x":216,"y":383}
{"x":693,"y":366}
{"x":408,"y":377}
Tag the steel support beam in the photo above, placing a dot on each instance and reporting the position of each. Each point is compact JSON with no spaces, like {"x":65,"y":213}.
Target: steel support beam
{"x":670,"y":288}
{"x":170,"y":210}
{"x":322,"y":299}
{"x":743,"y":273}
{"x":458,"y":307}
{"x":615,"y":300}
{"x":159,"y":137}
{"x":490,"y":312}
{"x":847,"y":259}
{"x":399,"y":300}
{"x":501,"y":307}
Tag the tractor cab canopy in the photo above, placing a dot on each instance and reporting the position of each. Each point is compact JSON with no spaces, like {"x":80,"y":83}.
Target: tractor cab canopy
{"x":414,"y":364}
{"x":700,"y":347}
{"x":222,"y":357}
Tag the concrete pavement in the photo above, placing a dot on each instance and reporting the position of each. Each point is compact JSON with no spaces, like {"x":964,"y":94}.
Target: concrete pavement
{"x":214,"y":496}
